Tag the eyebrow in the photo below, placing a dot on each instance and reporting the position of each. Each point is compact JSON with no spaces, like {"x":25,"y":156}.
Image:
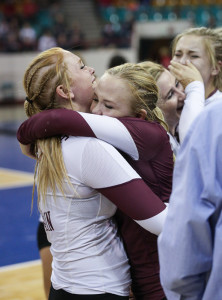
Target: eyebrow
{"x":190,"y":51}
{"x":80,"y":61}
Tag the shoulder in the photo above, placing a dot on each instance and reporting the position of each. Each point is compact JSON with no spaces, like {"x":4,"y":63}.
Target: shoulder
{"x":82,"y":145}
{"x":210,"y":119}
{"x":143,"y":126}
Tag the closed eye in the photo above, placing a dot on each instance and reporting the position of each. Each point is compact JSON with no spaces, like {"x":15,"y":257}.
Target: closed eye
{"x":177,"y":83}
{"x":108,"y":106}
{"x":82,"y":67}
{"x":169,"y":96}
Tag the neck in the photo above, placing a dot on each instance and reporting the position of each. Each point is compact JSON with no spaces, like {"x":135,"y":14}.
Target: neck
{"x":77,"y":107}
{"x":172,"y":129}
{"x":81,"y":108}
{"x":209,"y":90}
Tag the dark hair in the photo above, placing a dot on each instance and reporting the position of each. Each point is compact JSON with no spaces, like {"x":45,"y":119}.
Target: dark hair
{"x":117,"y":60}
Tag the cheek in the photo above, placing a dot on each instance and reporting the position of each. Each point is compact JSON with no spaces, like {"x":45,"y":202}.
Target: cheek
{"x":112,"y":113}
{"x":92,"y":106}
{"x":175,"y":58}
{"x":170,"y":106}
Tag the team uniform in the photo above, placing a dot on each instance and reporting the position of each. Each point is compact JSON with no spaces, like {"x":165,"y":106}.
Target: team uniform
{"x":190,"y":244}
{"x":148,"y":150}
{"x":88,"y":255}
{"x":194,"y":105}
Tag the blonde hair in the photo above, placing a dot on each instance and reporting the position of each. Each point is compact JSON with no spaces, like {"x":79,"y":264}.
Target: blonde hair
{"x":144,"y":90}
{"x":152,"y":68}
{"x":44,"y":74}
{"x":212,"y":39}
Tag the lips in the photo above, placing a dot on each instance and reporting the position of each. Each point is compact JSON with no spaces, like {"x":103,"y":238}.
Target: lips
{"x":94,"y":78}
{"x":179,"y":109}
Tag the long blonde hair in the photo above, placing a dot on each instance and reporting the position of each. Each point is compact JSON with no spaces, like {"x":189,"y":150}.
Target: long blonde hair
{"x":212,"y":39}
{"x":44,"y":74}
{"x":144,"y":90}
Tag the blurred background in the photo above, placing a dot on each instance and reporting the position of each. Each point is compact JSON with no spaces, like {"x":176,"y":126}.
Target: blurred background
{"x":96,"y":30}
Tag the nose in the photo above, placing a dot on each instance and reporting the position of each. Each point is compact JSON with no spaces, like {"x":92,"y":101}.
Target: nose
{"x":181,"y":95}
{"x":182,"y":59}
{"x":96,"y":110}
{"x":91,"y":70}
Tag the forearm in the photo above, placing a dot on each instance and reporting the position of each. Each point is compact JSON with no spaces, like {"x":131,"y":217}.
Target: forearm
{"x":52,"y":123}
{"x":193,"y":105}
{"x":118,"y":181}
{"x":137,"y":200}
{"x":67,"y":122}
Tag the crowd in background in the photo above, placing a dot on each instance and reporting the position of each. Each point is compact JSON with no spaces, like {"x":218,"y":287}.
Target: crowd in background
{"x":36,"y":25}
{"x":29,"y":25}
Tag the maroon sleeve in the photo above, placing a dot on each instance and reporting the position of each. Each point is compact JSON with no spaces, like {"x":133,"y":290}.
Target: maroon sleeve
{"x":123,"y":196}
{"x":53,"y":123}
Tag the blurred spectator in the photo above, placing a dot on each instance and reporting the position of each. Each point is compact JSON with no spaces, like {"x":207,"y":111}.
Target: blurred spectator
{"x":76,"y":37}
{"x":62,"y":41}
{"x":30,"y":8}
{"x":116,"y":60}
{"x":12,"y":42}
{"x":4,"y":29}
{"x":28,"y":37}
{"x":8,"y":8}
{"x":46,"y":41}
{"x":59,"y":24}
{"x":164,"y":56}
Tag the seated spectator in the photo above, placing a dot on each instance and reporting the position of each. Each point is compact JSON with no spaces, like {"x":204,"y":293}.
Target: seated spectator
{"x":30,"y":8}
{"x":116,"y":60}
{"x":76,"y":37}
{"x":27,"y":37}
{"x":46,"y":41}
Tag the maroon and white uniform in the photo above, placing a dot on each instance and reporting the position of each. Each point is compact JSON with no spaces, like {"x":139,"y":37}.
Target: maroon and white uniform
{"x":148,"y":150}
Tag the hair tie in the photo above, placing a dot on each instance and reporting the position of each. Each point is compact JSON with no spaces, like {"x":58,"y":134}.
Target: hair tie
{"x":29,"y":101}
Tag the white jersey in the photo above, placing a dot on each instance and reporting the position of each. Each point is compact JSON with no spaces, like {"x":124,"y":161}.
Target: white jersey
{"x":194,"y":105}
{"x":88,"y":255}
{"x":216,"y":96}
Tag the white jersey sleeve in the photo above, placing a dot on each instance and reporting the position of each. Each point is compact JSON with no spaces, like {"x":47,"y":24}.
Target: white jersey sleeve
{"x":104,"y":169}
{"x":193,"y":105}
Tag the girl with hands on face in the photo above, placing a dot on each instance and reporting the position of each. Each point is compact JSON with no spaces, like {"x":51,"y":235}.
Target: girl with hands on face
{"x":188,"y":74}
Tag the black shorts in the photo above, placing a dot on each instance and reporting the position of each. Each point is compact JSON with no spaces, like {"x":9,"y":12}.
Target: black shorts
{"x":42,"y":237}
{"x":63,"y":295}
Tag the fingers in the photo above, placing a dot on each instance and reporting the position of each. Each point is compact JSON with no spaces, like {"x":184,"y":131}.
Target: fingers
{"x":26,"y":150}
{"x":185,"y":72}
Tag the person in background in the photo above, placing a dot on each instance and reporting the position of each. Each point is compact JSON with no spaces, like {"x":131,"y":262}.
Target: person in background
{"x":190,"y":243}
{"x":73,"y":89}
{"x":203,"y":48}
{"x":173,"y":93}
{"x":126,"y":90}
{"x":116,"y":60}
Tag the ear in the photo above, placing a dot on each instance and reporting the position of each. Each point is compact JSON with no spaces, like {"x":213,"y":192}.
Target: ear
{"x":142,"y":114}
{"x":60,"y":91}
{"x":216,"y":70}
